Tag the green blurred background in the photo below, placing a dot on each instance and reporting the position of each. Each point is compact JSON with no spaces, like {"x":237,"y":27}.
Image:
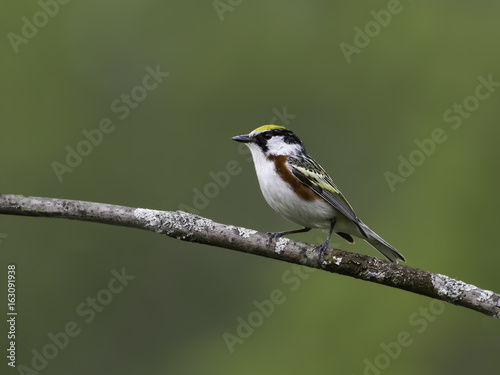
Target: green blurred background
{"x":231,"y":70}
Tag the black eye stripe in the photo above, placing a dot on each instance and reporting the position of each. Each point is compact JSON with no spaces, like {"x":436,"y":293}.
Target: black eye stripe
{"x":289,"y":137}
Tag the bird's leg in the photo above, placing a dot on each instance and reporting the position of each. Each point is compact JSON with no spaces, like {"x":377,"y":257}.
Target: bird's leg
{"x":322,"y":248}
{"x":274,"y":235}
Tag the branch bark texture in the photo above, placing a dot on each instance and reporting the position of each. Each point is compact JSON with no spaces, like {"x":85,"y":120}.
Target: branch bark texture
{"x":188,"y":227}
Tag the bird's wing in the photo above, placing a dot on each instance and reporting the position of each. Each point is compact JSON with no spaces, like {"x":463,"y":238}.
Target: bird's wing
{"x":311,"y":174}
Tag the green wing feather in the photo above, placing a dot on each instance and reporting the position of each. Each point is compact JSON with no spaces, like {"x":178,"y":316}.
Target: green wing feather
{"x":311,"y":174}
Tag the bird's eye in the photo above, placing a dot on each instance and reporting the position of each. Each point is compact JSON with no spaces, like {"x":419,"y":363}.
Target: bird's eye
{"x":268,"y":136}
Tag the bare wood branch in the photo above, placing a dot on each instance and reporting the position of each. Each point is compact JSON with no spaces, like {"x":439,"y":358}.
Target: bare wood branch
{"x":188,"y":227}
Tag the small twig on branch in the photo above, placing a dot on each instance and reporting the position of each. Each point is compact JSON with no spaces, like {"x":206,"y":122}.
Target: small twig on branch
{"x":188,"y":227}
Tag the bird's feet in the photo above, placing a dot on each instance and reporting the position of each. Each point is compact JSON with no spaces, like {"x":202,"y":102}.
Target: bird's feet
{"x":274,"y":236}
{"x":322,"y":248}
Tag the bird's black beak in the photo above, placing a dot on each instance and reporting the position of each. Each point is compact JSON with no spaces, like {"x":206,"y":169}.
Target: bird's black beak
{"x":242,"y":138}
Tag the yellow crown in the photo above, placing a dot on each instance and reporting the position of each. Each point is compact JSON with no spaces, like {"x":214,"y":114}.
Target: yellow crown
{"x":267,"y":127}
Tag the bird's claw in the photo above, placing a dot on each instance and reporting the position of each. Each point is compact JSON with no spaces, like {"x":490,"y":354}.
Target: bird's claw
{"x":273,"y":236}
{"x":322,"y":248}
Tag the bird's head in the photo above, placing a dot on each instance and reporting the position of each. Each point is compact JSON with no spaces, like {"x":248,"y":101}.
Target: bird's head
{"x":272,"y":140}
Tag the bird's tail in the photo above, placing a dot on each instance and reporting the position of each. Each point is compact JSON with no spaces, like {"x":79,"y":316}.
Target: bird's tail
{"x":381,"y":245}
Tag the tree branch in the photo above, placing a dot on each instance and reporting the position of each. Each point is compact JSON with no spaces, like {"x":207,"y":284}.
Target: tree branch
{"x":188,"y":227}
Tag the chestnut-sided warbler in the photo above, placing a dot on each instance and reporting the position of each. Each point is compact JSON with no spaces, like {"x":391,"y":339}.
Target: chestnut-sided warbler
{"x":300,"y":190}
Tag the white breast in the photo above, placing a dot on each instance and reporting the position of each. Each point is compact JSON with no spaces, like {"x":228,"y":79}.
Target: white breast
{"x":281,"y":197}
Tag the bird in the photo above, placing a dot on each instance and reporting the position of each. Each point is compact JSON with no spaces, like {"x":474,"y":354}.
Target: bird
{"x":300,"y":190}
